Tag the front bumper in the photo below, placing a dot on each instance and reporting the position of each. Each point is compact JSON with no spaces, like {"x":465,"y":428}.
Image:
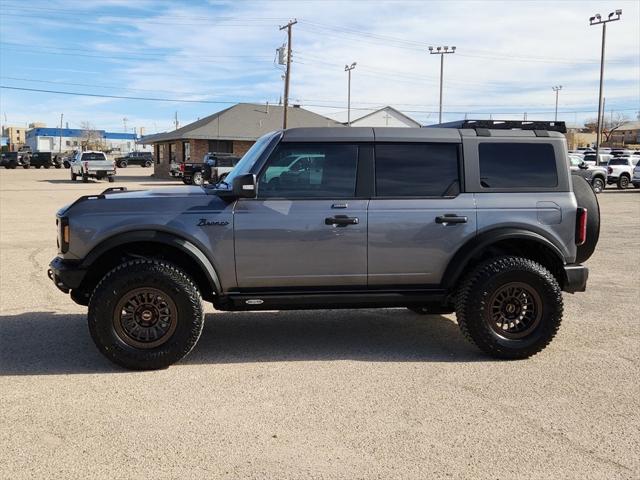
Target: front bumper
{"x":576,"y":278}
{"x":66,"y":274}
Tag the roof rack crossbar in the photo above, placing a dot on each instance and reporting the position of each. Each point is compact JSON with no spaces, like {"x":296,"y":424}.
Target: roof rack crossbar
{"x":549,"y":126}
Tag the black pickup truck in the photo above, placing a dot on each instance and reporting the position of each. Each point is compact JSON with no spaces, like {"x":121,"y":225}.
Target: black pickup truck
{"x":214,"y":167}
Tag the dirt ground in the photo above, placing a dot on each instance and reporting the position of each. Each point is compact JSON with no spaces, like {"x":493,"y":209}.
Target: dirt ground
{"x":327,"y":394}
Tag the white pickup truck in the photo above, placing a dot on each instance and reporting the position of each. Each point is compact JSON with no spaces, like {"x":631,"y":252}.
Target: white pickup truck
{"x":92,"y":164}
{"x":620,"y":170}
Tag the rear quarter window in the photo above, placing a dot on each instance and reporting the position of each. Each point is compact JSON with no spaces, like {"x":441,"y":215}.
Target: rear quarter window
{"x":517,"y":165}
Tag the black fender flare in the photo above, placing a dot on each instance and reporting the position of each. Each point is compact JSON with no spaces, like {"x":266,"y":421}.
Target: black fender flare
{"x":164,"y":238}
{"x":473,"y":247}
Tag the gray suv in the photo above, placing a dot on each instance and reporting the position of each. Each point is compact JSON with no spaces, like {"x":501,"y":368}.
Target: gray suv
{"x":488,"y":223}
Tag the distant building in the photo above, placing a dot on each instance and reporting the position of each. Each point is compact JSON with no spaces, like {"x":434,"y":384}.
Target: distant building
{"x":37,"y":125}
{"x":69,"y":139}
{"x":628,"y":133}
{"x":16,"y":136}
{"x":385,"y":117}
{"x":233,"y":130}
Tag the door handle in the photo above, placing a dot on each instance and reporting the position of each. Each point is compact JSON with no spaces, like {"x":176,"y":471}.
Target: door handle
{"x":341,"y":220}
{"x":450,"y":218}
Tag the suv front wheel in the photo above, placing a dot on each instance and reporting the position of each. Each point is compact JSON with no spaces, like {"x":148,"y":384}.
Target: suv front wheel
{"x":145,"y":315}
{"x":510,"y":307}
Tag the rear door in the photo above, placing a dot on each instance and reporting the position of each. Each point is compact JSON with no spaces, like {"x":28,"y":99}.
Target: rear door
{"x":419,"y":216}
{"x":306,"y":227}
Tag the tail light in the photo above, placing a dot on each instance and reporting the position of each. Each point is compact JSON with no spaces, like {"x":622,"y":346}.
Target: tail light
{"x":181,"y":167}
{"x":581,"y":226}
{"x":609,"y":170}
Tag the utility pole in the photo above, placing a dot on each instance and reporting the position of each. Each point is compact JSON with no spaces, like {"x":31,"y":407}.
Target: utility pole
{"x":556,"y":89}
{"x":124,"y":123}
{"x":60,"y":136}
{"x":288,"y":72}
{"x":441,"y":51}
{"x":348,"y":68}
{"x":597,"y":20}
{"x":175,"y":120}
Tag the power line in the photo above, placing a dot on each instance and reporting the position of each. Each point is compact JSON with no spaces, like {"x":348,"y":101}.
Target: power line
{"x":230,"y":102}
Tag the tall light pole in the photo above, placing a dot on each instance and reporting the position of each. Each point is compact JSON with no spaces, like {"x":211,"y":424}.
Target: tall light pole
{"x":556,"y":89}
{"x":597,"y":20}
{"x":348,"y":68}
{"x":441,"y":51}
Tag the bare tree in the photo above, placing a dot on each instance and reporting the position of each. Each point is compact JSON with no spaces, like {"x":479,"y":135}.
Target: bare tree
{"x":610,"y":124}
{"x":91,"y":138}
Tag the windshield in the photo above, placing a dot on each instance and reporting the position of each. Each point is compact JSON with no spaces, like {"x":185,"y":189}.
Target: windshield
{"x":249,"y":158}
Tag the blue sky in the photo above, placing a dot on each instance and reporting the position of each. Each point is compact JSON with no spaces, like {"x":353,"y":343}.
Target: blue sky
{"x":209,"y":55}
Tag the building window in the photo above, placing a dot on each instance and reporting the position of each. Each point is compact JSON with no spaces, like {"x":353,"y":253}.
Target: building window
{"x":68,"y":143}
{"x":186,"y":151}
{"x":75,"y":143}
{"x":220,"y":146}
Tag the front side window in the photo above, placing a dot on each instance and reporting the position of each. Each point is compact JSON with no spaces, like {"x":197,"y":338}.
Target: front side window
{"x":417,"y":170}
{"x":517,"y":165}
{"x":308,"y":170}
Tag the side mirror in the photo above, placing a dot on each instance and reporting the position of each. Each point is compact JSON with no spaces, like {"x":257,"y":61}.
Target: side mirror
{"x":244,"y":186}
{"x":584,"y":165}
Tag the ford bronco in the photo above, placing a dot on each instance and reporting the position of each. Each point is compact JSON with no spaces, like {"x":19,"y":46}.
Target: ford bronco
{"x":480,"y":218}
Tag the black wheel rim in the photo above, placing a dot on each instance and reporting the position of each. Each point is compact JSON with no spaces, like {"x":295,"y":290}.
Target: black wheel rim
{"x":515,"y":310}
{"x":145,"y":318}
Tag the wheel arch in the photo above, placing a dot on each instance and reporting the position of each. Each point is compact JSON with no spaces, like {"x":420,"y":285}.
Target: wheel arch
{"x":148,"y":244}
{"x":512,"y":241}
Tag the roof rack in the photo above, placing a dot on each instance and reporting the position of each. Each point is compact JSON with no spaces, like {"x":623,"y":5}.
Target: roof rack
{"x":505,"y":125}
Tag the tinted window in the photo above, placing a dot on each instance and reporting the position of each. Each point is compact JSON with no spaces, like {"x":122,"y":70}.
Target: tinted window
{"x":618,"y":161}
{"x":513,"y":165}
{"x":310,"y":171}
{"x":93,"y":156}
{"x":417,"y":170}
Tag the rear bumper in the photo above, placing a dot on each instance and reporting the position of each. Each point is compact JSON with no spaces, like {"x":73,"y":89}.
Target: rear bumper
{"x":576,"y":278}
{"x":65,"y":274}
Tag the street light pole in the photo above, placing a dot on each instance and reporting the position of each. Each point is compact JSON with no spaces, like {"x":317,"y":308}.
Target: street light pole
{"x":556,"y":89}
{"x":597,"y":20}
{"x":441,"y":51}
{"x":348,"y":68}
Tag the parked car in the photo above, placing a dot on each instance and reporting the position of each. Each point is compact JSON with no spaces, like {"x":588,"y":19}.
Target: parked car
{"x":11,"y":160}
{"x":365,"y":224}
{"x":216,"y":164}
{"x":595,"y":175}
{"x":620,"y":171}
{"x":619,"y":152}
{"x":636,"y":176}
{"x":144,"y":159}
{"x":590,"y":158}
{"x":42,"y":159}
{"x":92,"y":164}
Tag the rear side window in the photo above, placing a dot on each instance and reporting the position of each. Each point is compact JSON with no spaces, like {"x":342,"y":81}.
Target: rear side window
{"x":417,"y":170}
{"x":515,"y":165}
{"x":618,"y":161}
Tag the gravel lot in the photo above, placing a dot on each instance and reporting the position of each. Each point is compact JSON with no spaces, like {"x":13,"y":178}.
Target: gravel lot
{"x":328,"y":394}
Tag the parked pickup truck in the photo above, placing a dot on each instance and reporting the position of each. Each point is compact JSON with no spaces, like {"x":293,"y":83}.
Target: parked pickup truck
{"x":620,"y":171}
{"x":214,"y":167}
{"x":595,"y":175}
{"x":92,"y":164}
{"x":144,"y":159}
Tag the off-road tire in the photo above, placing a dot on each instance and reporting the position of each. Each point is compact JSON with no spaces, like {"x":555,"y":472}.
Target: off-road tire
{"x":473,"y":306}
{"x":123,"y":164}
{"x":197,"y":178}
{"x":623,"y":182}
{"x":73,"y":176}
{"x":598,"y":185}
{"x":160,"y":275}
{"x":147,"y":164}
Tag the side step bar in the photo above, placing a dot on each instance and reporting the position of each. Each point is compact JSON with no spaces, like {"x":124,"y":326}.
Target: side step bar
{"x":329,"y":300}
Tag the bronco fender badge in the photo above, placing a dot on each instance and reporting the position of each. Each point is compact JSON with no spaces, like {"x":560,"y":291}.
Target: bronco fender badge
{"x":203,"y":222}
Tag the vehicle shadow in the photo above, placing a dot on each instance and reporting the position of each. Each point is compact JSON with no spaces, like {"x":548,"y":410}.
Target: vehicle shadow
{"x":47,"y":343}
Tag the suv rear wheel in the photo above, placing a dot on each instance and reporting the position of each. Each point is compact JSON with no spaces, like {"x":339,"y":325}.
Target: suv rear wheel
{"x":145,"y":315}
{"x":510,"y":307}
{"x":623,"y":181}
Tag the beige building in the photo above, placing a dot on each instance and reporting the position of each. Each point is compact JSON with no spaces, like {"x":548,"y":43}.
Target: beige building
{"x":232,"y":130}
{"x":627,"y":134}
{"x":15,"y":136}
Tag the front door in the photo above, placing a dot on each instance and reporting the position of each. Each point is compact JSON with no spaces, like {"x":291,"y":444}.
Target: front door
{"x":305,"y":227}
